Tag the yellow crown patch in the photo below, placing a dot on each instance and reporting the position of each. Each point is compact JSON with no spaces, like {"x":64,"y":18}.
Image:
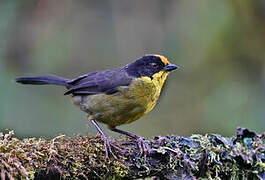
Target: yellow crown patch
{"x":163,"y":59}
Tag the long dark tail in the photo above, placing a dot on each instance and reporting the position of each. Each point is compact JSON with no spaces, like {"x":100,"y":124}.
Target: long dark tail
{"x":42,"y":80}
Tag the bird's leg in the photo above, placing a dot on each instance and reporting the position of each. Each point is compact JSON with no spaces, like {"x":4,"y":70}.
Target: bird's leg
{"x":107,"y":144}
{"x":140,"y":141}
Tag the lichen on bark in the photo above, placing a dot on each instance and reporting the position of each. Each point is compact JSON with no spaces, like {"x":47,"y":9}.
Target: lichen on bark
{"x":209,"y":156}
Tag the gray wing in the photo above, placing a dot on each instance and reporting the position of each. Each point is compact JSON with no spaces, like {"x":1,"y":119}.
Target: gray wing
{"x":106,"y":81}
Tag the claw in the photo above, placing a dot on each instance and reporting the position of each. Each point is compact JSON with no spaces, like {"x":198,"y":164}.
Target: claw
{"x":107,"y":147}
{"x":142,"y":146}
{"x":139,"y":140}
{"x":107,"y":144}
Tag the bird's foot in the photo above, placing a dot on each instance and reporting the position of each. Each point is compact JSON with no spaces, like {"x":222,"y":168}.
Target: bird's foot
{"x":141,"y":145}
{"x":108,"y":147}
{"x":144,"y":149}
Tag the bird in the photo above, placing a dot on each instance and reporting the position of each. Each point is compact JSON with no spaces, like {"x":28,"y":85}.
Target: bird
{"x":115,"y":96}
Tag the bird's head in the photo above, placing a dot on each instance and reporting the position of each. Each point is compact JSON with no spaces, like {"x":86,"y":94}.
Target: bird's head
{"x":150,"y":66}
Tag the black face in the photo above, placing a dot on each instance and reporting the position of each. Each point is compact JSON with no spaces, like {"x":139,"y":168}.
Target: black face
{"x":145,"y":66}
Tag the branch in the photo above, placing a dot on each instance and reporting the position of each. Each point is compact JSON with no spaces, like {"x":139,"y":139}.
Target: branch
{"x":171,"y":157}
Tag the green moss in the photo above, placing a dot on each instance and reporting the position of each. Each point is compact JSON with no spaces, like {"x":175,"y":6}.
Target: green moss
{"x":83,"y":157}
{"x":71,"y":158}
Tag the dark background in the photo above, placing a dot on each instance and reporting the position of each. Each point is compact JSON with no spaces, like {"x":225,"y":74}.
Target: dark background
{"x":219,"y":45}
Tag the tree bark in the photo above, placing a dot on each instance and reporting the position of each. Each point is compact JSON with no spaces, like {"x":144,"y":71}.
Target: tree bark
{"x":210,"y":156}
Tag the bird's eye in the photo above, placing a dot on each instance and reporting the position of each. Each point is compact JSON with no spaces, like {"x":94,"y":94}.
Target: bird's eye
{"x":154,"y":65}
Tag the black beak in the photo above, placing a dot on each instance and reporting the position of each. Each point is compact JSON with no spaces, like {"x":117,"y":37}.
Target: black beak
{"x":170,"y":67}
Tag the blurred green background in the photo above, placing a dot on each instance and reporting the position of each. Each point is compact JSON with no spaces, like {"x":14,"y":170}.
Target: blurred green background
{"x":219,"y":45}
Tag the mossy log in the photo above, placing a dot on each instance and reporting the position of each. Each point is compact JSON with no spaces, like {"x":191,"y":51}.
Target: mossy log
{"x":208,"y":156}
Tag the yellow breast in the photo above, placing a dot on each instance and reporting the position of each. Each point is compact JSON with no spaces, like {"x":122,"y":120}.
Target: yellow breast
{"x":126,"y":106}
{"x":147,"y":90}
